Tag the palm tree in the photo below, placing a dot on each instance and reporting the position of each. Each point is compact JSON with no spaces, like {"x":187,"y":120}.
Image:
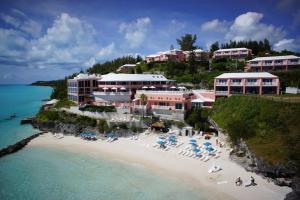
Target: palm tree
{"x":143,"y":98}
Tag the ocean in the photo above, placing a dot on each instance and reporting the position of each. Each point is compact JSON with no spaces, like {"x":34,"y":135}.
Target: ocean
{"x":44,"y":173}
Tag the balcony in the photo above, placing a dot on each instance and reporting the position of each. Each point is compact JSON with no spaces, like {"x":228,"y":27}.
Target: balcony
{"x":221,"y":93}
{"x":268,"y":64}
{"x":269,"y":84}
{"x":163,"y":107}
{"x":236,"y":84}
{"x":293,"y":63}
{"x":252,"y":84}
{"x":221,"y":83}
{"x":111,"y":93}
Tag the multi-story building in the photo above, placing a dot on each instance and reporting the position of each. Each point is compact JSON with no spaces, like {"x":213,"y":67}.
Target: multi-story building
{"x":259,"y":83}
{"x":81,"y":87}
{"x":240,"y":53}
{"x":177,"y":55}
{"x":172,"y":103}
{"x":125,"y":68}
{"x":119,"y":89}
{"x":273,"y":63}
{"x":200,"y":55}
{"x":166,"y":104}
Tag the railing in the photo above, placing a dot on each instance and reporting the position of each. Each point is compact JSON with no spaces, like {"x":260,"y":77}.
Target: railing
{"x":236,"y":83}
{"x":251,"y":83}
{"x":163,"y":107}
{"x":222,"y":93}
{"x":163,"y":91}
{"x":267,"y":64}
{"x":111,"y":93}
{"x":221,"y":83}
{"x":293,"y":63}
{"x":269,"y":83}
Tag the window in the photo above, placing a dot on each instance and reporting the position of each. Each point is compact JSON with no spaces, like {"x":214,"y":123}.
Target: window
{"x":81,"y":98}
{"x":178,"y":106}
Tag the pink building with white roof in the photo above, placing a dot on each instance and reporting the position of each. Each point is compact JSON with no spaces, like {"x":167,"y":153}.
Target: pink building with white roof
{"x":173,"y":103}
{"x":273,"y":63}
{"x":260,"y":83}
{"x":240,"y":53}
{"x":177,"y":55}
{"x":116,"y":89}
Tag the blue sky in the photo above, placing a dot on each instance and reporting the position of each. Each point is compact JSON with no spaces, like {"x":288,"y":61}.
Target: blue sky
{"x":45,"y":40}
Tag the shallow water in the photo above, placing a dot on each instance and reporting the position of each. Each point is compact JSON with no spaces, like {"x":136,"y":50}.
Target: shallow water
{"x":25,"y":102}
{"x":43,"y":173}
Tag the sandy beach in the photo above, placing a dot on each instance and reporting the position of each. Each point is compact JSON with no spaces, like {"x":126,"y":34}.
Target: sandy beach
{"x":219,"y":185}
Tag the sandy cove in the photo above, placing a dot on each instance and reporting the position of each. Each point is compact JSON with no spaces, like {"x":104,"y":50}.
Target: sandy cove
{"x":218,"y":185}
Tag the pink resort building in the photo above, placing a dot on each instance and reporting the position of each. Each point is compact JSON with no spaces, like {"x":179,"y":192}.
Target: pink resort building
{"x":260,"y":83}
{"x":177,"y":55}
{"x":125,"y":68}
{"x":273,"y":63}
{"x":81,"y":87}
{"x":240,"y":53}
{"x":172,"y":103}
{"x":120,"y":89}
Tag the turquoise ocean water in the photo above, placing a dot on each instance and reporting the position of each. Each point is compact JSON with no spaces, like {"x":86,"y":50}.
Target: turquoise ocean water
{"x":42,"y":173}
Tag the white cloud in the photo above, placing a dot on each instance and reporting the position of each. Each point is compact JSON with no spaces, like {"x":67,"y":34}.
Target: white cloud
{"x":13,"y":43}
{"x":22,"y":22}
{"x":286,"y":44}
{"x":68,"y":40}
{"x":248,"y":26}
{"x":215,"y":25}
{"x":135,"y":32}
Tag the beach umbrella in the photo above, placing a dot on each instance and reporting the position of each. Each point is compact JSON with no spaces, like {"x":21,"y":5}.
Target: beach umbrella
{"x":196,"y":150}
{"x":122,"y":88}
{"x":173,"y":87}
{"x":209,"y":149}
{"x":161,"y":142}
{"x":152,"y":87}
{"x":194,"y":144}
{"x":161,"y":137}
{"x":145,"y":87}
{"x":193,"y":140}
{"x":207,"y":143}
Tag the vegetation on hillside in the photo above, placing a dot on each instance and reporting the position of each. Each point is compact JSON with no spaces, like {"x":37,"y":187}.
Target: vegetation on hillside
{"x":113,"y":65}
{"x":92,"y":108}
{"x":258,"y":47}
{"x":197,"y":118}
{"x":64,"y":117}
{"x":64,"y":103}
{"x":270,"y":128}
{"x":289,"y":78}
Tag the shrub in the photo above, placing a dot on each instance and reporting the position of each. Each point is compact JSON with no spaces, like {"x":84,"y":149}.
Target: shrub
{"x":92,"y":108}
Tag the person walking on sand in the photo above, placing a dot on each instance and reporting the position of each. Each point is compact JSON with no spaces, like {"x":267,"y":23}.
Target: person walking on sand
{"x":238,"y":181}
{"x":217,"y":142}
{"x":252,"y":180}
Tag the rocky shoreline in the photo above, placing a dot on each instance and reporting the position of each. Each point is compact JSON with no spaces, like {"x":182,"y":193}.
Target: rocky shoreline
{"x":282,"y":175}
{"x":19,"y":145}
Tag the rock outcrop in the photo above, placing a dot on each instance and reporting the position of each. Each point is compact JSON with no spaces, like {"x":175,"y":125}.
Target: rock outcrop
{"x":19,"y":145}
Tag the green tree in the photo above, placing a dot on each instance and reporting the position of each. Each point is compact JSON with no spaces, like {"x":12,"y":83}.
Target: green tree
{"x":143,"y":98}
{"x":138,"y":69}
{"x":214,"y":47}
{"x":187,"y":42}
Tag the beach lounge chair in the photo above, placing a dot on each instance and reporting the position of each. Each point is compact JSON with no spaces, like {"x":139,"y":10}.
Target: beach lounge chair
{"x":206,"y":159}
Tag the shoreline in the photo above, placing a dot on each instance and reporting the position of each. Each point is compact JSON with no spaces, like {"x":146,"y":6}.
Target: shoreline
{"x":190,"y":171}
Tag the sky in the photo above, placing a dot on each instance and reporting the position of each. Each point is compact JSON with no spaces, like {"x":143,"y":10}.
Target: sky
{"x":47,"y":40}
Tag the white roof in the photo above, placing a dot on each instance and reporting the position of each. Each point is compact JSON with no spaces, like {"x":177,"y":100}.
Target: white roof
{"x":51,"y":102}
{"x":274,"y":58}
{"x":232,"y":49}
{"x":86,"y":76}
{"x":132,"y":77}
{"x":129,"y":65}
{"x":247,"y":75}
